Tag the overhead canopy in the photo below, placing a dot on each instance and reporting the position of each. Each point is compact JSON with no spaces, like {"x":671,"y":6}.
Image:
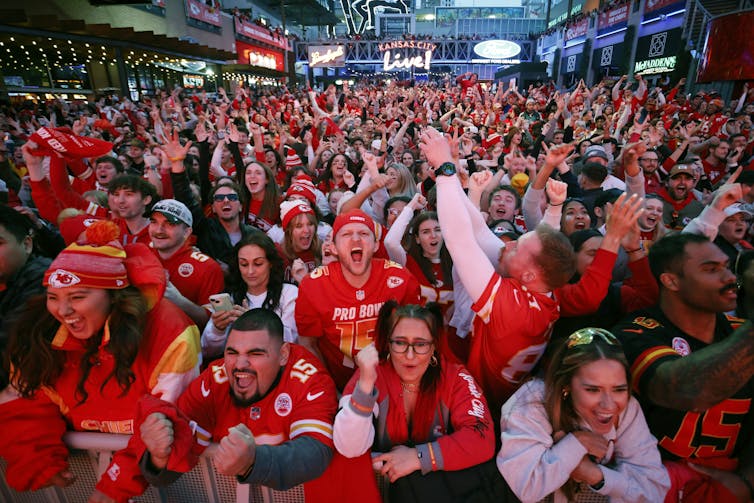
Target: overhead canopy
{"x":301,"y":12}
{"x":126,"y":36}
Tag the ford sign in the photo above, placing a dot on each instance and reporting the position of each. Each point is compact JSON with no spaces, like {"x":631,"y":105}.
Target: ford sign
{"x":497,"y":49}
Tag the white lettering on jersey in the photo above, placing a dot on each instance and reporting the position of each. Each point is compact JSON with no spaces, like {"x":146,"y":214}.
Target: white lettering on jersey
{"x":521,"y":363}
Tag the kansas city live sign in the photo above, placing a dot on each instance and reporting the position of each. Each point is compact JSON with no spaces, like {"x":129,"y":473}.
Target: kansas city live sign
{"x":406,"y":54}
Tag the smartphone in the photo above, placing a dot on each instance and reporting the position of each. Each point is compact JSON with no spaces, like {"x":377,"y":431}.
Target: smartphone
{"x":221,"y":302}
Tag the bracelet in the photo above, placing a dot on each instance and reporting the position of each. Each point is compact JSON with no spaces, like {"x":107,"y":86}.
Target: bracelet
{"x":246,"y":474}
{"x":176,"y":159}
{"x":559,"y":204}
{"x":748,"y":484}
{"x":640,"y":248}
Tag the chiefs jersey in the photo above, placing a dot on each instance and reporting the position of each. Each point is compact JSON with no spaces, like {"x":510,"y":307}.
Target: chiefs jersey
{"x":194,"y":274}
{"x":714,"y":437}
{"x":303,"y":402}
{"x":344,"y":317}
{"x":511,"y":330}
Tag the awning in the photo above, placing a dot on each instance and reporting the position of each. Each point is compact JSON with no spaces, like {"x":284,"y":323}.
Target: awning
{"x":107,"y":34}
{"x":302,"y":12}
{"x":253,"y":70}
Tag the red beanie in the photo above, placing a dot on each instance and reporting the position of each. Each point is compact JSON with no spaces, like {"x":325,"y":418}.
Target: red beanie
{"x":352,"y":217}
{"x":302,"y":189}
{"x":290,"y":209}
{"x":99,"y":263}
{"x":72,"y":227}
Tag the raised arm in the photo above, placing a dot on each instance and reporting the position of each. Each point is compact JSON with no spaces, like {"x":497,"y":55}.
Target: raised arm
{"x":473,"y":266}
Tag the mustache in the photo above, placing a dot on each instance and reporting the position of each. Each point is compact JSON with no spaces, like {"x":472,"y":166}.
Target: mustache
{"x":244,"y":371}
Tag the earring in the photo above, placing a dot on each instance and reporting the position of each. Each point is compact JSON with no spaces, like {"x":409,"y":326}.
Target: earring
{"x":433,"y":361}
{"x":388,"y":356}
{"x":565,"y":393}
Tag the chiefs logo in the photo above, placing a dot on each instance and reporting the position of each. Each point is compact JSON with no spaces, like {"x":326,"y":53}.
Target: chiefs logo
{"x":394,"y":282}
{"x":62,"y":278}
{"x":283,"y":404}
{"x":185,"y":270}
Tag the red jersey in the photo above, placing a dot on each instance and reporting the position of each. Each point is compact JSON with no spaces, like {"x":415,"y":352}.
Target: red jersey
{"x":194,"y":274}
{"x":167,"y":361}
{"x":511,"y":329}
{"x":310,"y":261}
{"x":303,"y":403}
{"x":439,"y":293}
{"x":344,"y":317}
{"x":715,"y":174}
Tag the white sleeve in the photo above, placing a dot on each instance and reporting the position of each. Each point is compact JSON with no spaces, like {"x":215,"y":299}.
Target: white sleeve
{"x":530,"y":462}
{"x":531,"y":207}
{"x":639,"y":475}
{"x":707,"y":223}
{"x":353,"y":430}
{"x":276,"y":233}
{"x":213,"y":340}
{"x":286,"y":311}
{"x":395,"y":235}
{"x":472,"y":264}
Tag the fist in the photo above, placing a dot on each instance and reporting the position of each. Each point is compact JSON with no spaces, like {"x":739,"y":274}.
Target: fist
{"x":236,"y":452}
{"x":157,"y":435}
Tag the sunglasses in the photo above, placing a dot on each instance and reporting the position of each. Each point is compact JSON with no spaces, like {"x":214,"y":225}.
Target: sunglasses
{"x":221,"y":197}
{"x":587,"y":335}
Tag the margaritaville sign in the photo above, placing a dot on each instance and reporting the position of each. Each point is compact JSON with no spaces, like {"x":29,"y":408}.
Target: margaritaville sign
{"x":406,"y":54}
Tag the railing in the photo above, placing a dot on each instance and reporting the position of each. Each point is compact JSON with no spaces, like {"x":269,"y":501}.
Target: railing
{"x":90,"y":455}
{"x":446,"y":51}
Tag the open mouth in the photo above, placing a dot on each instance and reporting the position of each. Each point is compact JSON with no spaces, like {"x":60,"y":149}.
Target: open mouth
{"x":357,"y":254}
{"x":580,"y":225}
{"x":244,"y":379}
{"x":74,"y":324}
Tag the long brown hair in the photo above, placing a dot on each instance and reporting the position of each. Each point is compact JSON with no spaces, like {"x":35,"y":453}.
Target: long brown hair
{"x":316,"y":246}
{"x":565,"y":363}
{"x":428,"y":399}
{"x":270,"y":210}
{"x":36,"y":364}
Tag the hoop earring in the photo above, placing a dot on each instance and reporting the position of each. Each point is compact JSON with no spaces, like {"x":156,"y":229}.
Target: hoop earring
{"x":433,"y":361}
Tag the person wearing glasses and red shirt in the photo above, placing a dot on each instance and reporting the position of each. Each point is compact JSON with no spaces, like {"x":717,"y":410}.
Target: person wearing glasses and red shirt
{"x":580,"y":429}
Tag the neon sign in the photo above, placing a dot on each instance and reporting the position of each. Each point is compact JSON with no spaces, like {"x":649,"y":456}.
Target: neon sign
{"x":320,"y":55}
{"x":497,"y":49}
{"x":406,"y":54}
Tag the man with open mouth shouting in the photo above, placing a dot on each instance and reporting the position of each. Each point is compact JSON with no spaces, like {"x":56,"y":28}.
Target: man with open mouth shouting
{"x":337,"y":304}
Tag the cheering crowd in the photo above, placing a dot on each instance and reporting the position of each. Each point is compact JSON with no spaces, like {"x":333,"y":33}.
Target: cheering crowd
{"x":478,"y":293}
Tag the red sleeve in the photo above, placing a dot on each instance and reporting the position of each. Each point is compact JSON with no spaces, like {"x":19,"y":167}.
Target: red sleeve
{"x":212,"y":283}
{"x":671,"y":95}
{"x":45,"y":201}
{"x":473,"y":438}
{"x":586,"y":296}
{"x":31,"y":441}
{"x":68,"y":197}
{"x":123,"y":479}
{"x":195,"y":405}
{"x":640,"y":290}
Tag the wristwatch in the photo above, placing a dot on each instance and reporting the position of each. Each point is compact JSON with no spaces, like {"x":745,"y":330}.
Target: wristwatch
{"x":446,"y":168}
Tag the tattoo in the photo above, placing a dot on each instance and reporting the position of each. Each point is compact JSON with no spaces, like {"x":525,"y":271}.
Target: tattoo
{"x":706,"y":377}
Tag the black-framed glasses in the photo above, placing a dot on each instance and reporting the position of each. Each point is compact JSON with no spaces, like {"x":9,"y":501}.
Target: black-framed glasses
{"x":420,"y":347}
{"x":587,"y":335}
{"x":221,"y":197}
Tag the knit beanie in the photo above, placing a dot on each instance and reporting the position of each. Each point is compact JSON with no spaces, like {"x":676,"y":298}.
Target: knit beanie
{"x":290,"y":209}
{"x":97,"y":262}
{"x":352,"y":217}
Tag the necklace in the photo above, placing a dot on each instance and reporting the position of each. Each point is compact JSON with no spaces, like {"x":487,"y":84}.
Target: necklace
{"x":409,"y":388}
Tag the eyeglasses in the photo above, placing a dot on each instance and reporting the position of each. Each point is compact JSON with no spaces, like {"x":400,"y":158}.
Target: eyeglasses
{"x":420,"y":347}
{"x":587,"y":335}
{"x":221,"y":197}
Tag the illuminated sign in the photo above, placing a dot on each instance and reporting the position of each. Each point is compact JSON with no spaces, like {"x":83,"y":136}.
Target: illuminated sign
{"x":250,"y":54}
{"x":327,"y":55}
{"x":193,"y":81}
{"x":406,"y":54}
{"x":656,"y":65}
{"x":361,"y":14}
{"x":497,"y":49}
